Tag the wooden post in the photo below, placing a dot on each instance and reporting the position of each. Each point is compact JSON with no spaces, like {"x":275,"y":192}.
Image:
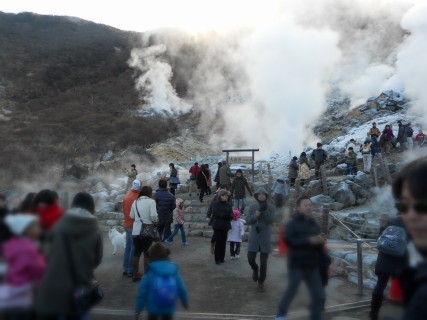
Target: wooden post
{"x":253,"y":167}
{"x":324,"y":226}
{"x":375,"y":176}
{"x":324,"y":182}
{"x":270,"y":179}
{"x":384,"y":167}
{"x":298,"y":186}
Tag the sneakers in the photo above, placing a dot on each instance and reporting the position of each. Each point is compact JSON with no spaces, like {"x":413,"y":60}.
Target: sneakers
{"x":232,"y":258}
{"x":237,"y":256}
{"x":168,"y":242}
{"x":185,"y":244}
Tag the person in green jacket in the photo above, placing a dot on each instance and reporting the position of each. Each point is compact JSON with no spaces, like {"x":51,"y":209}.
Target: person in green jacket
{"x":350,"y":160}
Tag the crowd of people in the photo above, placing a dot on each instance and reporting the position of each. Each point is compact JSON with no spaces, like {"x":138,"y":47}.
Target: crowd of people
{"x":51,"y":254}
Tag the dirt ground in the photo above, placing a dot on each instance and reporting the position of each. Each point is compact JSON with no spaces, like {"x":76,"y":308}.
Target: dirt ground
{"x":223,"y":289}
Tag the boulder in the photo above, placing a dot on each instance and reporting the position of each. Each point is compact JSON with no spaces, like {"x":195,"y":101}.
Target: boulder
{"x":321,"y":200}
{"x":109,"y":155}
{"x":101,"y":195}
{"x":100,"y":187}
{"x":107,"y":207}
{"x":359,"y":192}
{"x":80,"y":171}
{"x":342,"y":193}
{"x":336,"y":206}
{"x":118,"y":207}
{"x":314,"y":188}
{"x":363,"y":180}
{"x":101,"y":168}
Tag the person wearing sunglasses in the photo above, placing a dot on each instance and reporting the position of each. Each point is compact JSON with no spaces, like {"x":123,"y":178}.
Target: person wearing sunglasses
{"x":410,"y":191}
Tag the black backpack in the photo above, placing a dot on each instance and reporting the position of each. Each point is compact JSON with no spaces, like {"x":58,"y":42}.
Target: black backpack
{"x":409,"y":131}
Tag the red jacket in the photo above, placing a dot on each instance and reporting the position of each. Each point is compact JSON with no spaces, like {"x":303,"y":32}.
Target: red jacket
{"x":194,"y":170}
{"x":49,"y":215}
{"x":128,"y":200}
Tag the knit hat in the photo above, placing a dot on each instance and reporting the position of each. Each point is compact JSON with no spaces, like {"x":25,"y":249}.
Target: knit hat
{"x":236,"y":213}
{"x":136,"y":185}
{"x":18,"y":223}
{"x":158,"y":251}
{"x":282,"y":178}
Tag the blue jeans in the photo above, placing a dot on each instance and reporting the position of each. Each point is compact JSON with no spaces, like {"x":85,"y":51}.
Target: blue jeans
{"x":175,"y":232}
{"x":350,"y":168}
{"x":314,"y":284}
{"x":237,"y":202}
{"x":129,"y":252}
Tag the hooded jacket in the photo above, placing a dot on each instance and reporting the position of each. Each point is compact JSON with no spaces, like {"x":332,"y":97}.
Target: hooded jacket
{"x":145,"y":299}
{"x":279,"y":187}
{"x":238,"y":187}
{"x":293,"y":169}
{"x":302,"y":254}
{"x":178,"y":213}
{"x":80,"y":229}
{"x":260,"y":241}
{"x":225,"y":174}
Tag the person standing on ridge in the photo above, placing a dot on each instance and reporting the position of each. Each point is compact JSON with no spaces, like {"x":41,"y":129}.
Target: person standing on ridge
{"x":131,"y":176}
{"x":319,"y":157}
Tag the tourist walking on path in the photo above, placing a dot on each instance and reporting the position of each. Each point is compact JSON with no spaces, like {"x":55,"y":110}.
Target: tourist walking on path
{"x":209,"y":190}
{"x":401,"y":136}
{"x":260,"y":217}
{"x":235,"y":235}
{"x":365,"y":149}
{"x":75,"y":251}
{"x":202,"y":181}
{"x":420,"y":138}
{"x":216,"y":180}
{"x":386,"y":139}
{"x":386,"y":266}
{"x":46,"y":205}
{"x":293,"y":171}
{"x":174,"y":180}
{"x":304,"y":168}
{"x":165,"y":204}
{"x":351,"y":160}
{"x":161,"y":286}
{"x":128,"y":201}
{"x":144,"y":212}
{"x":131,"y":176}
{"x":409,"y":190}
{"x":302,"y":235}
{"x":194,"y":173}
{"x":280,"y":192}
{"x":238,"y":193}
{"x":319,"y":157}
{"x":210,"y":216}
{"x":225,"y":175}
{"x":178,"y":219}
{"x":222,"y":216}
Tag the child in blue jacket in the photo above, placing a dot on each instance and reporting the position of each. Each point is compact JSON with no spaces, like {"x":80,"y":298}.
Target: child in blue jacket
{"x":161,"y":286}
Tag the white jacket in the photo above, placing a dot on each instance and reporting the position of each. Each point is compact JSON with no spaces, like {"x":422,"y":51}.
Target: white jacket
{"x":147,"y":211}
{"x":237,"y":231}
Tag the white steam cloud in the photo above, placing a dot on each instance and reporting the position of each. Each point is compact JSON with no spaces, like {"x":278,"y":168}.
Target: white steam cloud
{"x":264,"y":85}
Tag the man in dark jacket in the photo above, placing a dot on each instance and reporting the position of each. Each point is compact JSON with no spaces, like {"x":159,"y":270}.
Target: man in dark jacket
{"x":386,"y":266}
{"x":238,"y":191}
{"x":165,"y":204}
{"x":224,"y":175}
{"x":302,"y":235}
{"x":223,"y":214}
{"x":318,"y":156}
{"x":293,"y":171}
{"x":401,"y":136}
{"x":409,"y":190}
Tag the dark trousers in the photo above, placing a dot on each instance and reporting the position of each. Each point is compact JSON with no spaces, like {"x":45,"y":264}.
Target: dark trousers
{"x":317,"y":170}
{"x":203,"y":191}
{"x":220,"y":245}
{"x":167,"y":317}
{"x":254,"y":265}
{"x":381,"y":285}
{"x":234,"y":248}
{"x":292,"y":182}
{"x":314,"y":284}
{"x":164,"y":228}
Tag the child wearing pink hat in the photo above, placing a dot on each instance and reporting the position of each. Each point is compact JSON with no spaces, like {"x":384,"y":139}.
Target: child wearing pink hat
{"x":235,"y":235}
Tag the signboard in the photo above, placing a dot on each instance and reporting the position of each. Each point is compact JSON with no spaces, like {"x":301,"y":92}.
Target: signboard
{"x":240,"y":159}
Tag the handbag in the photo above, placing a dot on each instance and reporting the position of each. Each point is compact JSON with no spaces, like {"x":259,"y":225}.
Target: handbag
{"x":84,"y":296}
{"x":148,"y":230}
{"x":167,"y":177}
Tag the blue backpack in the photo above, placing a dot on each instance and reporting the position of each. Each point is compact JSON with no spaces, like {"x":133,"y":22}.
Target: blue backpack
{"x":164,"y":291}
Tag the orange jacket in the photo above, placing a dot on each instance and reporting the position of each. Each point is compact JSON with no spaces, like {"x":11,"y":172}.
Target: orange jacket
{"x":128,"y":200}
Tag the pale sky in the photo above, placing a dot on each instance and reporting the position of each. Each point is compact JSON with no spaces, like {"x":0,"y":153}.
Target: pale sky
{"x":191,"y":15}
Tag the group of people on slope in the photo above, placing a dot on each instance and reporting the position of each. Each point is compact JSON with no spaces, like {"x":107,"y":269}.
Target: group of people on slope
{"x":201,"y":180}
{"x":49,"y":253}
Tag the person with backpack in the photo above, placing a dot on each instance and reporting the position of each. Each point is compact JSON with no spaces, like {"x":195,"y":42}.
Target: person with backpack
{"x":161,"y":286}
{"x":365,"y":149}
{"x":238,"y":191}
{"x":388,"y":264}
{"x":409,"y":133}
{"x":165,"y":204}
{"x":319,"y":157}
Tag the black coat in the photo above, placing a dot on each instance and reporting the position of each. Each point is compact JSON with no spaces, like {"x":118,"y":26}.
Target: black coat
{"x":386,"y":264}
{"x":414,"y":282}
{"x":293,"y":169}
{"x":238,"y":187}
{"x":165,"y":204}
{"x":222,"y":216}
{"x":202,"y":179}
{"x":302,"y":254}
